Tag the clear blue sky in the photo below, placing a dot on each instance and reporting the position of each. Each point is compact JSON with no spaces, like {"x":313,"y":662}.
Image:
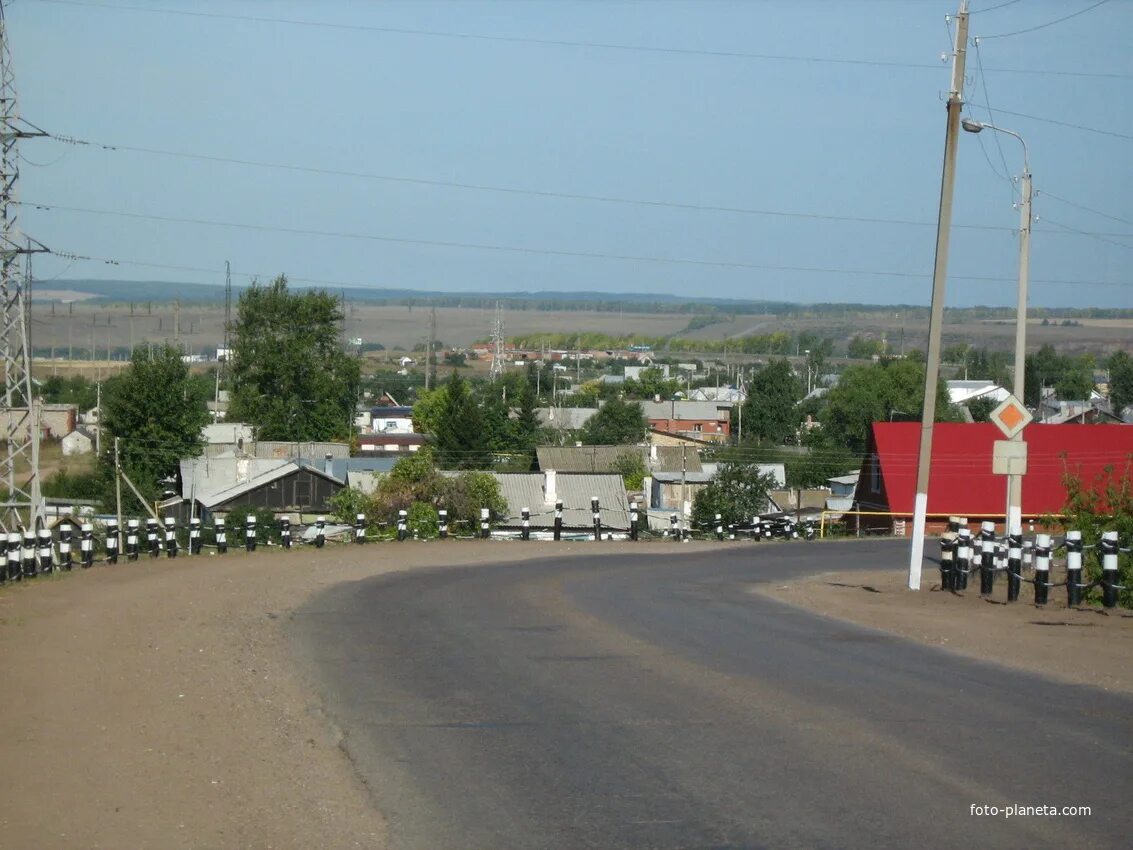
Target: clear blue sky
{"x":385,"y":92}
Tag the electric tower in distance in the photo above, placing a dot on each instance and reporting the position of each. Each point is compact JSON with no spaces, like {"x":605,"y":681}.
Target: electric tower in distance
{"x":19,"y":460}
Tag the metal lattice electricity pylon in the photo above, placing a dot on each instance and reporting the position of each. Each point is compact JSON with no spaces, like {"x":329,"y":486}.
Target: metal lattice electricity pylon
{"x":19,"y":462}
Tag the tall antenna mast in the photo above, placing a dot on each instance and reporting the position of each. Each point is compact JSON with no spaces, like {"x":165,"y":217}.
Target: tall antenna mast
{"x":18,"y":401}
{"x":498,"y":339}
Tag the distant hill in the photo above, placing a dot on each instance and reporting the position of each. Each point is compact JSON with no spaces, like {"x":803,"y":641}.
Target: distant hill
{"x":164,"y":291}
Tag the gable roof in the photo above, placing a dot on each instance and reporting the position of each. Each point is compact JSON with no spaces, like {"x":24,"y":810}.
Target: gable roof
{"x":674,"y":459}
{"x":961,"y":480}
{"x":526,"y":490}
{"x":214,"y":481}
{"x":718,"y":411}
{"x":584,"y":458}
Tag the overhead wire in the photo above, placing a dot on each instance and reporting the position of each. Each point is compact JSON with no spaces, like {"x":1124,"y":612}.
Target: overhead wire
{"x":594,"y":45}
{"x":991,"y":115}
{"x":1049,"y":194}
{"x":1083,"y":127}
{"x":1049,"y":23}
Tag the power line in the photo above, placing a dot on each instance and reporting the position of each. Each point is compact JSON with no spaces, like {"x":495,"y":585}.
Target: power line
{"x":1049,"y":23}
{"x":1090,"y":235}
{"x":1072,"y":126}
{"x":993,"y":8}
{"x":999,"y":146}
{"x":1047,"y":194}
{"x":593,"y":45}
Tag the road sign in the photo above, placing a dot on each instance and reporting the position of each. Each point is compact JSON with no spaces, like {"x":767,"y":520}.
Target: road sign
{"x":1011,"y":417}
{"x":1009,"y":457}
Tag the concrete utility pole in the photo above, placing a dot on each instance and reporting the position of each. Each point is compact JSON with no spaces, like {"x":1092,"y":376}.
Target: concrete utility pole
{"x":939,"y":276}
{"x":429,"y":347}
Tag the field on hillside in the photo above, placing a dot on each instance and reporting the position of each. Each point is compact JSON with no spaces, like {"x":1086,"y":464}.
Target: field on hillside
{"x":65,"y":329}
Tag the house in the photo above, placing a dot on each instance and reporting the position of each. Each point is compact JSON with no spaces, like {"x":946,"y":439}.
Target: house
{"x":55,"y":421}
{"x":538,"y":492}
{"x":669,"y":489}
{"x":1051,"y":411}
{"x":964,"y":392}
{"x":391,"y":420}
{"x":733,"y":395}
{"x":705,"y":420}
{"x":361,"y":473}
{"x":214,"y":486}
{"x":287,"y":449}
{"x":78,"y":442}
{"x":961,"y":481}
{"x":390,"y":443}
{"x":633,"y":373}
{"x":227,"y":438}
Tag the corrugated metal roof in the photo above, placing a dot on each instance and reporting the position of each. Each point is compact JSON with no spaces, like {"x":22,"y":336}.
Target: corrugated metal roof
{"x":670,"y":458}
{"x":526,"y":490}
{"x":282,"y":449}
{"x":585,"y":458}
{"x":713,"y":410}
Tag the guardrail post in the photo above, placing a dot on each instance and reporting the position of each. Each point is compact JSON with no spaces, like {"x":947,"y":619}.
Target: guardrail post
{"x":1014,"y":563}
{"x":963,"y":560}
{"x":194,"y":536}
{"x":153,"y":539}
{"x":65,"y":556}
{"x":442,"y":524}
{"x":1073,"y":568}
{"x":359,"y":528}
{"x":220,"y":530}
{"x":320,"y":532}
{"x":86,"y":545}
{"x":133,"y":539}
{"x":112,"y":541}
{"x":46,"y":551}
{"x":597,"y":516}
{"x":559,"y":520}
{"x":674,"y":531}
{"x":1107,"y":547}
{"x":285,"y":532}
{"x":948,"y":555}
{"x":633,"y":520}
{"x":28,"y":554}
{"x":525,"y":533}
{"x":1042,"y":568}
{"x":485,"y":524}
{"x":719,"y":527}
{"x":250,"y":533}
{"x":170,"y":537}
{"x":987,"y":557}
{"x":402,"y":524}
{"x":13,"y":556}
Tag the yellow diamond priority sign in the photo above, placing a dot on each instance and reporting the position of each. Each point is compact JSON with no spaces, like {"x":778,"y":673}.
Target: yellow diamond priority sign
{"x":1011,"y":417}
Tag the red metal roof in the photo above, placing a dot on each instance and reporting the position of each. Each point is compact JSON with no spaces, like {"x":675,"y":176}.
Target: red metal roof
{"x":961,"y":480}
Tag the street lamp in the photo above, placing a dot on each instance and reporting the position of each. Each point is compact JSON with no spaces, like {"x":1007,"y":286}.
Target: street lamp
{"x":1014,"y":515}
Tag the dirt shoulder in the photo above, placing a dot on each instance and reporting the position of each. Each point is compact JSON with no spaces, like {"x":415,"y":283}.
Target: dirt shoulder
{"x":1087,"y":646}
{"x":155,"y":705}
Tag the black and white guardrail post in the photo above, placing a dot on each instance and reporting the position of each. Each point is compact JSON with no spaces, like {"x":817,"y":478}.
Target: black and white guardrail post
{"x":559,"y":520}
{"x":1107,"y":548}
{"x":27,"y":554}
{"x":525,"y":519}
{"x":1014,"y":563}
{"x":1073,"y":568}
{"x":250,"y":533}
{"x":285,"y":532}
{"x":195,"y":536}
{"x":113,"y":542}
{"x":442,"y":523}
{"x":220,"y":529}
{"x":597,"y":518}
{"x":171,"y":545}
{"x":987,"y":557}
{"x":320,"y":532}
{"x":948,"y":555}
{"x":66,"y":558}
{"x":359,"y":528}
{"x":485,"y":524}
{"x":963,"y":560}
{"x":153,"y":539}
{"x":45,"y":551}
{"x":86,"y":545}
{"x":719,"y":527}
{"x":633,"y":520}
{"x":402,"y":524}
{"x":132,"y":540}
{"x":1042,"y":568}
{"x":674,"y":531}
{"x":13,"y":556}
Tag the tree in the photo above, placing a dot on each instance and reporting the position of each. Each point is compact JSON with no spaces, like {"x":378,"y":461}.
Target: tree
{"x":981,"y":408}
{"x":1120,"y":367}
{"x":737,"y":492}
{"x":884,"y":391}
{"x":158,"y":411}
{"x":616,"y":422}
{"x":1071,"y":377}
{"x":290,"y":377}
{"x":770,"y":411}
{"x":459,"y":435}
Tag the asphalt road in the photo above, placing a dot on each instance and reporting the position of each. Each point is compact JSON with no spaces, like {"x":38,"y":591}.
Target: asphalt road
{"x":645,"y":702}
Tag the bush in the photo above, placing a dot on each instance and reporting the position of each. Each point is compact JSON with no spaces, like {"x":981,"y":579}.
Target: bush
{"x":1105,"y":504}
{"x":266,"y":524}
{"x":422,"y":520}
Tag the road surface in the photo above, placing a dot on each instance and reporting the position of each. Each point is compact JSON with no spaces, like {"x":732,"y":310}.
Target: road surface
{"x":645,"y":702}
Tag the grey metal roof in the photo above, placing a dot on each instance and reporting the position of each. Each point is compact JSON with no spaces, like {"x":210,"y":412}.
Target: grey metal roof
{"x":211,"y":481}
{"x":584,"y":458}
{"x":526,"y":490}
{"x":567,"y":418}
{"x":670,"y":477}
{"x":670,"y":458}
{"x":280,"y":449}
{"x":341,"y":466}
{"x":716,"y":410}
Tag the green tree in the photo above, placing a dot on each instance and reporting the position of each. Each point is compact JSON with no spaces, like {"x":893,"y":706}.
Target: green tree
{"x":1120,"y":367}
{"x":157,"y":411}
{"x":75,"y":390}
{"x":290,"y":377}
{"x":459,"y":435}
{"x":770,"y":411}
{"x":981,"y":408}
{"x":737,"y":492}
{"x":616,"y":422}
{"x":884,"y":391}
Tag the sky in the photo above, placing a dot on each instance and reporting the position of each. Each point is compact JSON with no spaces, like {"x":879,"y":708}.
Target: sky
{"x":751,"y":150}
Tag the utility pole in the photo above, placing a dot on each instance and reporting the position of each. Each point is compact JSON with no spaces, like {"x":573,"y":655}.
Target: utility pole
{"x":498,"y":339}
{"x":19,"y":407}
{"x":98,"y":414}
{"x":684,"y":478}
{"x":939,"y":277}
{"x":177,"y":323}
{"x":222,"y":363}
{"x":429,"y":347}
{"x":1015,"y":482}
{"x":117,"y":481}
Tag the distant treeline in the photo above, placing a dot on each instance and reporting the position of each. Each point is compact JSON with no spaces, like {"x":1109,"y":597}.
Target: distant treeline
{"x":158,"y":291}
